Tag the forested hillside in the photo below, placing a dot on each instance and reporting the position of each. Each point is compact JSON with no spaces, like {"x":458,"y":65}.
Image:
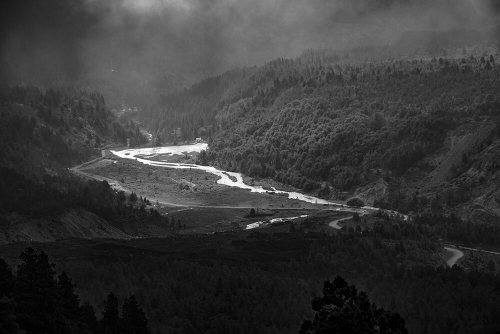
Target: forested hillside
{"x":386,"y":103}
{"x":395,"y":125}
{"x":45,"y":131}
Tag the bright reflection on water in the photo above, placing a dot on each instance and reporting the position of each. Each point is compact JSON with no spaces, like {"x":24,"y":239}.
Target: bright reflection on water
{"x":230,"y":179}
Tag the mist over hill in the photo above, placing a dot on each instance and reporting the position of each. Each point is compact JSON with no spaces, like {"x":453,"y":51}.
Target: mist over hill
{"x":379,"y":122}
{"x":386,"y":111}
{"x":155,"y":45}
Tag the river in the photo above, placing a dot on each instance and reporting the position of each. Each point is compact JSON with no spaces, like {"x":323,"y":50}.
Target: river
{"x":233,"y":179}
{"x":230,"y":179}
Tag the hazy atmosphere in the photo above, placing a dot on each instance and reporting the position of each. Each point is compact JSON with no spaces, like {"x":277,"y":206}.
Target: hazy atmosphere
{"x":250,"y":166}
{"x":194,"y":38}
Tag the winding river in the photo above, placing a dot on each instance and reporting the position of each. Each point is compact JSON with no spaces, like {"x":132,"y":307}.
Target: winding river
{"x":230,"y":179}
{"x":233,"y":179}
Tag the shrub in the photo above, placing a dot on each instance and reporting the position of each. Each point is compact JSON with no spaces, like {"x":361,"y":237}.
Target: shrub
{"x":356,"y":202}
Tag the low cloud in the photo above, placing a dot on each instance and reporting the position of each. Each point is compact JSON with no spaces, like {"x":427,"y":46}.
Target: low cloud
{"x":203,"y":37}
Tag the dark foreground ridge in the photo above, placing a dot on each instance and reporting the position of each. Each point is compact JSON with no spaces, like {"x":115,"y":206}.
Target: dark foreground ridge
{"x":32,"y":301}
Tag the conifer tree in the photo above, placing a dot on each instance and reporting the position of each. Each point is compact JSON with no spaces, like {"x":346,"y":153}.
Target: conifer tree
{"x":36,"y":294}
{"x":88,"y":317}
{"x":110,"y":322}
{"x":8,"y":324}
{"x":6,"y":279}
{"x":70,"y":300}
{"x":134,"y":319}
{"x":343,"y":310}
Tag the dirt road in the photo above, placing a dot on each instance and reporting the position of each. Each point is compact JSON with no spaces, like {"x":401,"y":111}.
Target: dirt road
{"x":480,"y":250}
{"x":457,"y":255}
{"x":335,"y":223}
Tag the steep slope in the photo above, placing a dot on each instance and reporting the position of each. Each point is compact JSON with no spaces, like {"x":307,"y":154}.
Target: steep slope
{"x":393,"y":124}
{"x":483,"y":175}
{"x":74,"y":223}
{"x":44,"y":131}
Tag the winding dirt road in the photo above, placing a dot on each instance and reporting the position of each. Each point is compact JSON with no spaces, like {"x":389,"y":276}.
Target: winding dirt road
{"x":457,"y":255}
{"x":335,"y":223}
{"x":480,"y":250}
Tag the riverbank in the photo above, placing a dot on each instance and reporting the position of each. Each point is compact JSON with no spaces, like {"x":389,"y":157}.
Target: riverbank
{"x":167,"y":174}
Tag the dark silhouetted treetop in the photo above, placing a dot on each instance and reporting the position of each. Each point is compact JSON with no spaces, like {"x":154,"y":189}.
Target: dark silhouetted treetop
{"x":134,"y":319}
{"x":6,"y":279}
{"x":110,"y":322}
{"x":70,"y":300}
{"x":343,"y":310}
{"x":8,"y":324}
{"x":36,"y":294}
{"x":89,"y":317}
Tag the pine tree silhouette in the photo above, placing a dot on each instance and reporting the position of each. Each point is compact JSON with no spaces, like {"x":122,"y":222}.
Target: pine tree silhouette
{"x":343,"y":310}
{"x":37,"y":295}
{"x":134,"y":319}
{"x":110,"y":322}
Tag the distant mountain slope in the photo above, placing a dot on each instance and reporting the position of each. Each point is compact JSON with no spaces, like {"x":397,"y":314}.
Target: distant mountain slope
{"x":415,"y":113}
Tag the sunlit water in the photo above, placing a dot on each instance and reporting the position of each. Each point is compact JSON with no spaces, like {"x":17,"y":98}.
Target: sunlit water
{"x":230,"y":179}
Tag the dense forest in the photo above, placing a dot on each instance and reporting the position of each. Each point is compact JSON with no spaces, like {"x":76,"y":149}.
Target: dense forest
{"x":58,"y":193}
{"x":45,"y":131}
{"x":243,"y":283}
{"x":411,"y":126}
{"x":339,"y":310}
{"x":334,"y":122}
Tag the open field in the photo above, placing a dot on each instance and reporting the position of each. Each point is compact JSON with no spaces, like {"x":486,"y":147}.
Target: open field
{"x":188,"y":187}
{"x":194,"y":197}
{"x":195,"y":200}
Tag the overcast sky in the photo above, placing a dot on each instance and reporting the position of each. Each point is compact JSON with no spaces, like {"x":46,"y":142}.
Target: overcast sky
{"x":206,"y":36}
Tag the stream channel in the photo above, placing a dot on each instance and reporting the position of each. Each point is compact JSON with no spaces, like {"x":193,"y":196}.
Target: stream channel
{"x":226,"y":178}
{"x":230,"y":179}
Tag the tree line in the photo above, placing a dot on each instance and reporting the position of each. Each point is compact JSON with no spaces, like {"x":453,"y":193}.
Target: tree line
{"x":329,"y":122}
{"x":264,"y":282}
{"x":33,"y":301}
{"x":65,"y":191}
